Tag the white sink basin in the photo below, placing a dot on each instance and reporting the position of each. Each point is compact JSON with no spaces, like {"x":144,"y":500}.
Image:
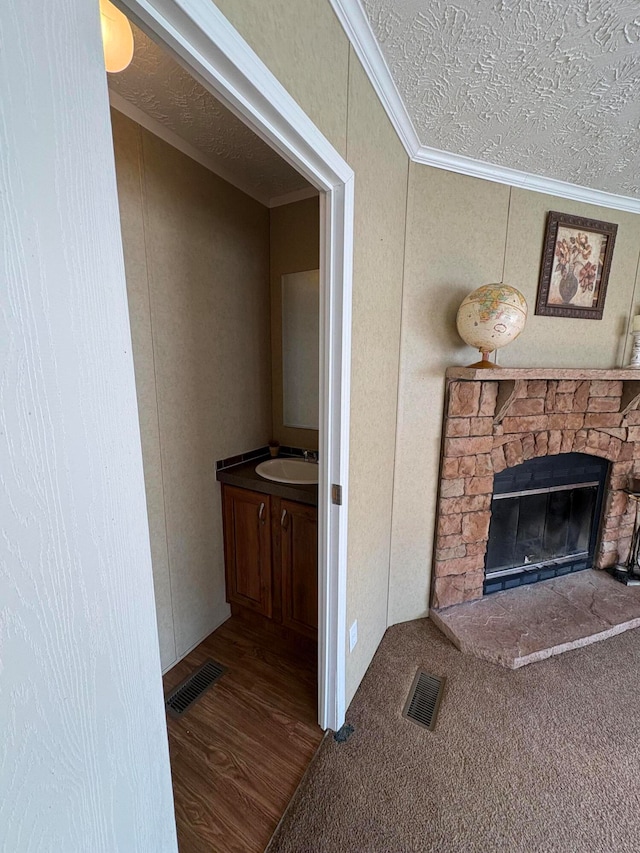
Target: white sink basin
{"x":292,"y":471}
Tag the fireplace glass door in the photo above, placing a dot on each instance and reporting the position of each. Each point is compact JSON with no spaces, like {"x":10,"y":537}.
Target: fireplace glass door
{"x":544,"y":519}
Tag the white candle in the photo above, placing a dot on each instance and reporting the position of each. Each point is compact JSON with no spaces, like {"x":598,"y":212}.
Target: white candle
{"x":636,"y":324}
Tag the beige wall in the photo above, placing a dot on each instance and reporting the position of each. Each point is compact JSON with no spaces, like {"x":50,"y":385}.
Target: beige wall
{"x":303,"y":44}
{"x":295,"y":247}
{"x":197,"y":264}
{"x":461,"y":233}
{"x":380,"y":165}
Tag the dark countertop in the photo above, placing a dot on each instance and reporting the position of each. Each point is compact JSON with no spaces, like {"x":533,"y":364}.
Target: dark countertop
{"x":244,"y":477}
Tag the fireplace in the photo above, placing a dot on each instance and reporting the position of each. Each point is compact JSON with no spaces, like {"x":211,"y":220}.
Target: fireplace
{"x":545,"y":516}
{"x":533,"y":473}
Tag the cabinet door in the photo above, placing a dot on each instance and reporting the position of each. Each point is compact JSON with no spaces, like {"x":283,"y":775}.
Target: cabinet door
{"x":247,"y":546}
{"x":299,"y":559}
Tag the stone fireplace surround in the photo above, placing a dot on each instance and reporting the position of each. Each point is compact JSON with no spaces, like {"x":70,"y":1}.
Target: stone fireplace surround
{"x":499,"y":418}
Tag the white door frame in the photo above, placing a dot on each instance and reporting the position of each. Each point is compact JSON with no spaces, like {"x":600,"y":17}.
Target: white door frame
{"x":205,"y":43}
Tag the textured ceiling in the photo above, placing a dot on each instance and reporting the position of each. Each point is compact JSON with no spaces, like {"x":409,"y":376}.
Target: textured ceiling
{"x":164,"y":91}
{"x":550,"y":87}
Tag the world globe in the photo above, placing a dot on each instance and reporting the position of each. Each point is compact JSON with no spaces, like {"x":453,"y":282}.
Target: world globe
{"x":491,"y":317}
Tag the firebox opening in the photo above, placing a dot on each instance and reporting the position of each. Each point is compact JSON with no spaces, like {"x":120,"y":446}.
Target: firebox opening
{"x":545,"y":516}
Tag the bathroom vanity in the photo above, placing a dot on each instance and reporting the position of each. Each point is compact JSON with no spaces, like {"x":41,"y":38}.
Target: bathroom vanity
{"x":271,"y":548}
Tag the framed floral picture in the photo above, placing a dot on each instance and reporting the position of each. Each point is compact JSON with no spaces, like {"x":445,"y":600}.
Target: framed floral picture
{"x":576,"y":260}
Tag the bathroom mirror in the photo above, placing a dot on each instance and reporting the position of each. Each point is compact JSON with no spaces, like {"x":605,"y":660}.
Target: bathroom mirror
{"x":300,"y":348}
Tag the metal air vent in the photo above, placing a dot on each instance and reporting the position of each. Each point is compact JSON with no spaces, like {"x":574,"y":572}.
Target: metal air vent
{"x":424,"y":700}
{"x":193,"y":688}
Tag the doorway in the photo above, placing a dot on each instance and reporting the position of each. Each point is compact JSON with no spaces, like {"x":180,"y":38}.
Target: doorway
{"x":203,"y":42}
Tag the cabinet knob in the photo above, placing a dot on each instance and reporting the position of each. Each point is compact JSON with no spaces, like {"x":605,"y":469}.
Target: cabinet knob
{"x":261,"y":513}
{"x":283,"y":518}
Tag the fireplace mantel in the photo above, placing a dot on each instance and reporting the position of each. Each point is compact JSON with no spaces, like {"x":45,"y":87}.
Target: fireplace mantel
{"x":473,"y":374}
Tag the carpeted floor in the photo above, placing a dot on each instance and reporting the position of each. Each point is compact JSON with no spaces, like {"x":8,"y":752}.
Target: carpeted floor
{"x":545,"y":758}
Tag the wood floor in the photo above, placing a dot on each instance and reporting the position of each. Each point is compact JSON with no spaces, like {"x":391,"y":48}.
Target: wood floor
{"x":238,"y":754}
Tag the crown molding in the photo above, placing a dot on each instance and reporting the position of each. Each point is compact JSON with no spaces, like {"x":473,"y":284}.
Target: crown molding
{"x":523,"y":180}
{"x":122,"y":105}
{"x":358,"y":29}
{"x":356,"y":25}
{"x":292,"y":197}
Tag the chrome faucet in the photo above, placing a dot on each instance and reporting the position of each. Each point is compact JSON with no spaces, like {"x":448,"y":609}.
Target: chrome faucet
{"x":310,"y":456}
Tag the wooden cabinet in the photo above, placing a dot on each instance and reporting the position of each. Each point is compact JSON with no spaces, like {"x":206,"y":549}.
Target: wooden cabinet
{"x":271,"y":557}
{"x":299,"y":566}
{"x":247,"y":548}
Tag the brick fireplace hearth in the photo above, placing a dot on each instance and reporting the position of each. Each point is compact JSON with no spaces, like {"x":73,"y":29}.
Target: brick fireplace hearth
{"x":496,"y":419}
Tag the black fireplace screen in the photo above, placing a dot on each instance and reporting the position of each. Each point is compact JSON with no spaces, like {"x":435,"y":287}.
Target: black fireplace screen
{"x":544,"y":519}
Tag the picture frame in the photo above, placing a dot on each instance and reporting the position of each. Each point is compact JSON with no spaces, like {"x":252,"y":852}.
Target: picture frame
{"x":576,"y":260}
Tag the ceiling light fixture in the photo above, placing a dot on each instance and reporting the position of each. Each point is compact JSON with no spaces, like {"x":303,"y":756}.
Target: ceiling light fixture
{"x":117,"y":37}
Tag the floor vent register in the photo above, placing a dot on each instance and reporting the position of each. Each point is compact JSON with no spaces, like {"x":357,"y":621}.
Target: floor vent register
{"x":424,"y":698}
{"x":193,"y":688}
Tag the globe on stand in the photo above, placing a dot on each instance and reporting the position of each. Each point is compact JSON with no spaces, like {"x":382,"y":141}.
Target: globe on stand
{"x":491,"y":317}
